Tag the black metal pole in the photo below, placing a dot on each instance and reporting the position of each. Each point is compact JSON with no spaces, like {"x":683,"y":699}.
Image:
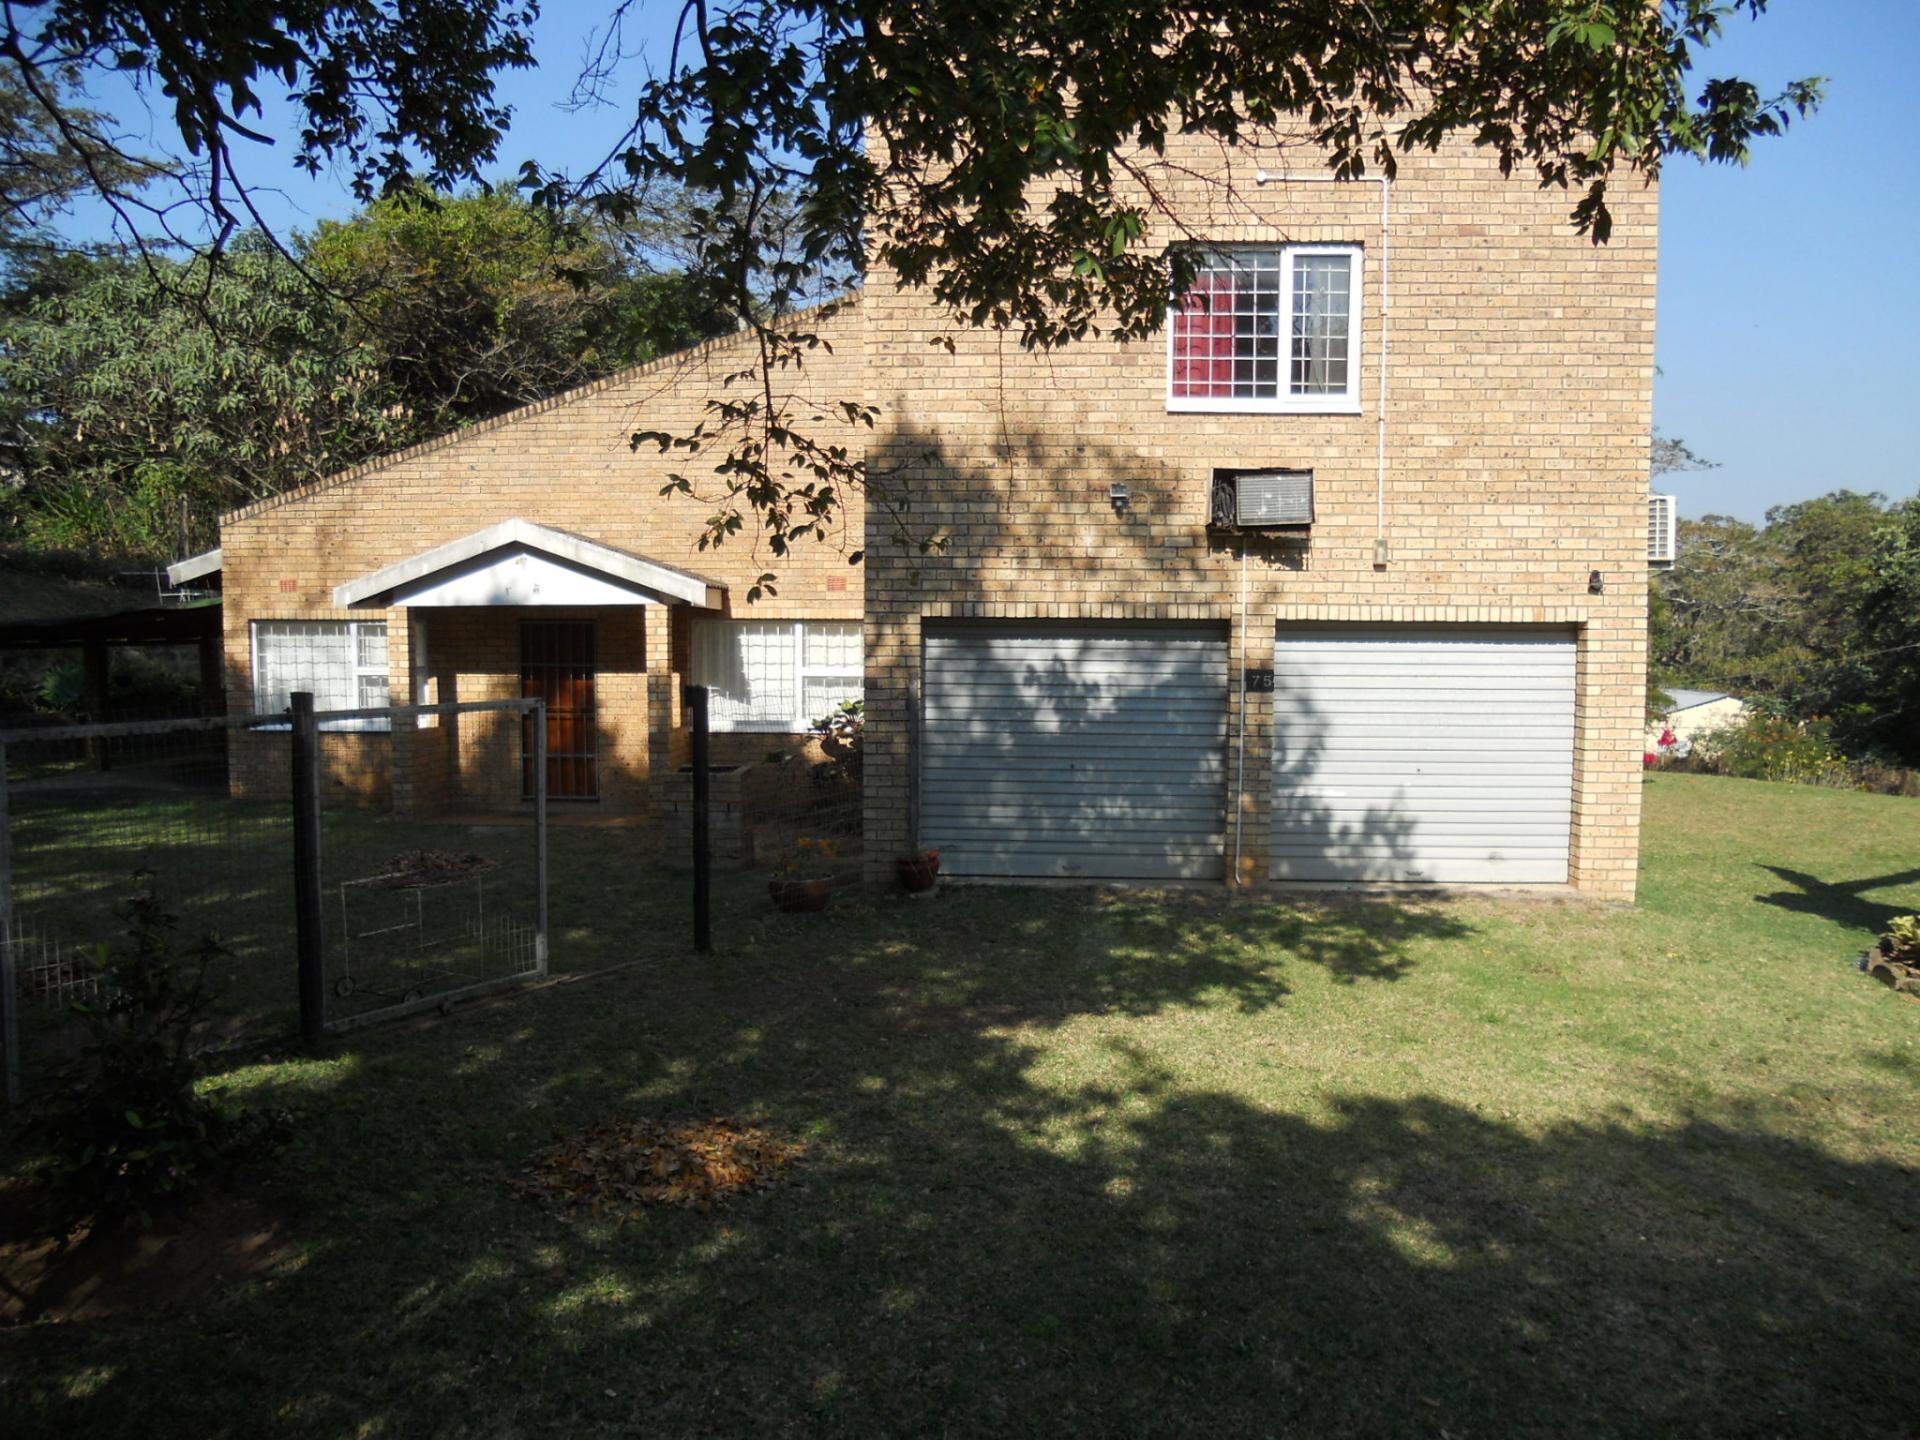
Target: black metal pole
{"x":306,"y":870}
{"x":702,"y":838}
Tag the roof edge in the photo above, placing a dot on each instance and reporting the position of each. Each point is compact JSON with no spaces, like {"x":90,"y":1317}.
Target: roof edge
{"x":523,"y":412}
{"x":635,"y":570}
{"x":207,"y":562}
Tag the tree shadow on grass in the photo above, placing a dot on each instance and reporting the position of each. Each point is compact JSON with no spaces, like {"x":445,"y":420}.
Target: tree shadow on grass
{"x":1842,"y":901}
{"x":1005,"y":1225}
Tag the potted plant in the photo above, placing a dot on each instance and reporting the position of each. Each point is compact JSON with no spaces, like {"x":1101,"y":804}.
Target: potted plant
{"x":803,"y":878}
{"x":918,"y":872}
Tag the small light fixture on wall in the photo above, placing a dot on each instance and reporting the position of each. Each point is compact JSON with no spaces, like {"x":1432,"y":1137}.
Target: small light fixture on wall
{"x":1596,"y":583}
{"x":1121,"y":498}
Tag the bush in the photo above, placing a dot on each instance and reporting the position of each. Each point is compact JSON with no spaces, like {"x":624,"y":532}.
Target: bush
{"x":126,"y":1126}
{"x":842,"y":736}
{"x":1889,"y":779}
{"x":1772,"y":747}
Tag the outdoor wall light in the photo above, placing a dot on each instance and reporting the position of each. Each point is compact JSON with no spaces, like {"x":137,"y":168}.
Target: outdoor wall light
{"x":1596,"y":583}
{"x":1121,"y":498}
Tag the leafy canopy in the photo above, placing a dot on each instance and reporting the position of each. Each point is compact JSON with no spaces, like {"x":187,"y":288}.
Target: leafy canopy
{"x":1001,"y":154}
{"x":121,"y":403}
{"x":1005,"y":156}
{"x":1816,"y":612}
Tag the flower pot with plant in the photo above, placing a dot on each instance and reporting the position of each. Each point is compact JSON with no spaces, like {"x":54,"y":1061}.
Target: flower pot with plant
{"x":919,"y":872}
{"x":803,"y":876}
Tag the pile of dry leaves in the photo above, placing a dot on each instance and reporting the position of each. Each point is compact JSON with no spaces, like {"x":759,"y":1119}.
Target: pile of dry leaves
{"x":412,"y":868}
{"x":653,"y":1162}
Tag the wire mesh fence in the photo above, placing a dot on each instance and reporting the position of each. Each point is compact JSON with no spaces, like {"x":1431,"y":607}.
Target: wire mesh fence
{"x":433,"y":834}
{"x":200,"y":814}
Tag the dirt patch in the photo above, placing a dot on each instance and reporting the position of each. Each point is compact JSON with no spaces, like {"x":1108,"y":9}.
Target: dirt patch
{"x":127,"y":1273}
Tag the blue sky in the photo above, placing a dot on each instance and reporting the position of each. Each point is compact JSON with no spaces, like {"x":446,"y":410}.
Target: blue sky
{"x":1789,"y":291}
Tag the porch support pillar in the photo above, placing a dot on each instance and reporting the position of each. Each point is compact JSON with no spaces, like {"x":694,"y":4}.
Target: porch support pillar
{"x":404,"y":743}
{"x":664,"y":722}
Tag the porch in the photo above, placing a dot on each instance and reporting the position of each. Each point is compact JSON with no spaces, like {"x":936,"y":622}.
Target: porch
{"x":521,"y":610}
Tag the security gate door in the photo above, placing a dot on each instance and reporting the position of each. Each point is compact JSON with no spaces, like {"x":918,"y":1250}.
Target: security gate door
{"x":1075,"y":750}
{"x":1423,"y":753}
{"x":556,"y":665}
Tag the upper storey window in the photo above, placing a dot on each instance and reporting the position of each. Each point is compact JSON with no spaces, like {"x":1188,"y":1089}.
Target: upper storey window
{"x":1269,"y":328}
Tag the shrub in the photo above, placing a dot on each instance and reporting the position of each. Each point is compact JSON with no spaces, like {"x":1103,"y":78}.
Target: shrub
{"x":842,"y":736}
{"x":126,"y":1126}
{"x":1772,"y":747}
{"x":1890,"y":780}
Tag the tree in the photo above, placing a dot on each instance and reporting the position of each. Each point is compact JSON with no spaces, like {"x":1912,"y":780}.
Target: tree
{"x":481,"y":302}
{"x":1890,"y":614}
{"x":123,"y":403}
{"x":1671,"y":456}
{"x":1814,"y":614}
{"x":134,"y":403}
{"x":387,"y":93}
{"x":1001,"y":157}
{"x":50,"y":154}
{"x":1008,"y":159}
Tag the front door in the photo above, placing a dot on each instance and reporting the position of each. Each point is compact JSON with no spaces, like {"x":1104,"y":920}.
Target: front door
{"x":556,"y":665}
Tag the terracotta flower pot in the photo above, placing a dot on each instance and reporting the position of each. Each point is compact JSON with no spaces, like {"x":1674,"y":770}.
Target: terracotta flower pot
{"x":918,"y":872}
{"x":799,"y":897}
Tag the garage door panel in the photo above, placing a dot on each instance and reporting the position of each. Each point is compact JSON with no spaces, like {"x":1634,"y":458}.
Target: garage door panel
{"x":1097,"y":727}
{"x":1075,"y":751}
{"x":1423,"y":754}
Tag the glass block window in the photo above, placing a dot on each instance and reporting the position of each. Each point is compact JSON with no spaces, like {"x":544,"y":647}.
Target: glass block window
{"x":776,"y":675}
{"x":1275,"y":328}
{"x":344,"y":664}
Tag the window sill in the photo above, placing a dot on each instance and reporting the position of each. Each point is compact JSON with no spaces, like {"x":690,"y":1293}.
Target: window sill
{"x":1194,"y":405}
{"x":337,"y":727}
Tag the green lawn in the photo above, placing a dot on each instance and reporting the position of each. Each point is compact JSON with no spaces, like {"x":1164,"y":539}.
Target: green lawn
{"x":1096,"y":1162}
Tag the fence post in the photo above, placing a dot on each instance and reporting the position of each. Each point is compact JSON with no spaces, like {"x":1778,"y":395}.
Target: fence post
{"x":306,"y":870}
{"x":9,"y":977}
{"x":96,"y":684}
{"x":539,"y":718}
{"x":696,"y":696}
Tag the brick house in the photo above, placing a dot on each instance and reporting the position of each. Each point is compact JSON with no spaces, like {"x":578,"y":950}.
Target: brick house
{"x":534,"y":554}
{"x":1431,"y":667}
{"x":1342,"y":579}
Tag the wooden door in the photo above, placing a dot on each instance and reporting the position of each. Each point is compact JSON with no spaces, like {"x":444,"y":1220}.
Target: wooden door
{"x":556,"y":665}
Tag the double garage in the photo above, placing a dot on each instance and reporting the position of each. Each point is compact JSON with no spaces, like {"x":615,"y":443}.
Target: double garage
{"x":1399,"y":754}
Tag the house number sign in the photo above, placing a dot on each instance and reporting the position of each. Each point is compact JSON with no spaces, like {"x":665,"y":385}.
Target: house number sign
{"x":1259,"y":682}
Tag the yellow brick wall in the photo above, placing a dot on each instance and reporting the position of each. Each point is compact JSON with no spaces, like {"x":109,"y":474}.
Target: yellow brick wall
{"x":1521,"y":374}
{"x":565,"y":463}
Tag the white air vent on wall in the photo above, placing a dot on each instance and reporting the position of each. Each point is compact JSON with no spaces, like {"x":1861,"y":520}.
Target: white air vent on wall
{"x":1262,"y":499}
{"x":1661,"y":530}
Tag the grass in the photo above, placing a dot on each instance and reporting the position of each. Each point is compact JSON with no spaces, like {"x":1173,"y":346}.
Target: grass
{"x":1088,"y":1161}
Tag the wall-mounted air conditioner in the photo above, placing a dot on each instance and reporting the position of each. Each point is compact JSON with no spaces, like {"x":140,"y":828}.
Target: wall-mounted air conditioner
{"x":1262,"y":499}
{"x":1662,"y":530}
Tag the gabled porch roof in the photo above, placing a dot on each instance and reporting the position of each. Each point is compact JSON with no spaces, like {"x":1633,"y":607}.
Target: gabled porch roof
{"x":517,"y":562}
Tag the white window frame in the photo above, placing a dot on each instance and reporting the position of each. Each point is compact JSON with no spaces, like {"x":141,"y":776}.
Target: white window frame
{"x":360,"y":672}
{"x":1346,"y":402}
{"x":801,"y":723}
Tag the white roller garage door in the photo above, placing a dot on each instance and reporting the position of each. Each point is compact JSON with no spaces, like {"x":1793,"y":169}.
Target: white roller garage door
{"x":1075,"y":750}
{"x":1423,"y":754}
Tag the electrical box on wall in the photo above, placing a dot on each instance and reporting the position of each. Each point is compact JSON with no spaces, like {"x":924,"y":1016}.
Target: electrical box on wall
{"x":1262,"y":500}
